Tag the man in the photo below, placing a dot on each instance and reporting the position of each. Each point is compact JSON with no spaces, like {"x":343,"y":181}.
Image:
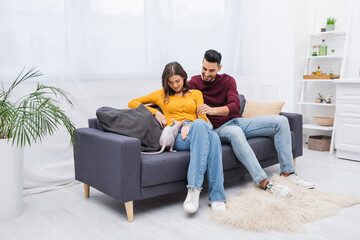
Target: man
{"x":222,"y":106}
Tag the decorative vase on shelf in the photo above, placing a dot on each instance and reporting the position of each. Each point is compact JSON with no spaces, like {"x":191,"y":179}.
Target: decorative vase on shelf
{"x":330,"y":27}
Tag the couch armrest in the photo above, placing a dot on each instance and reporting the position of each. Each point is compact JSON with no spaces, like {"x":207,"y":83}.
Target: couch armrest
{"x":295,"y":122}
{"x":108,"y":162}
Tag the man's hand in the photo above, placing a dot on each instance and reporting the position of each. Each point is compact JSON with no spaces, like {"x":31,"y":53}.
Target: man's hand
{"x":161,"y":119}
{"x":215,"y":111}
{"x":185,"y":132}
{"x":205,"y":109}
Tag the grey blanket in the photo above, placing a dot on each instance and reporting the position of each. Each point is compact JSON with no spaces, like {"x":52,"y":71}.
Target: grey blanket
{"x":138,"y":123}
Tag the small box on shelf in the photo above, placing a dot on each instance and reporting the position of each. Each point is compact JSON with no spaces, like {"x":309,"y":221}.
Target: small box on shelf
{"x":319,"y":143}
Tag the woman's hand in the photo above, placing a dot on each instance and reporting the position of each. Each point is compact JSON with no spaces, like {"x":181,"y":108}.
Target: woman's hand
{"x":161,"y":119}
{"x":185,"y":132}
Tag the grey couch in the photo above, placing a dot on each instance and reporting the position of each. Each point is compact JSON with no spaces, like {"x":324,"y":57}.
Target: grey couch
{"x":114,"y":165}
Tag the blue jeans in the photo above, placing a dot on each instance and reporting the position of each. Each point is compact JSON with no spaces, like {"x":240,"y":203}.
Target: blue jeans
{"x":205,"y":156}
{"x":237,"y":130}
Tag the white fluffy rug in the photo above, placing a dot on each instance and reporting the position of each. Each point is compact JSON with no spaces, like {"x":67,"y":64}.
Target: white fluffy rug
{"x":256,"y":210}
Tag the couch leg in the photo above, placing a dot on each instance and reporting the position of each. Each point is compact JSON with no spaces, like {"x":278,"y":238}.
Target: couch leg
{"x":86,"y":190}
{"x":295,"y":162}
{"x":129,"y":211}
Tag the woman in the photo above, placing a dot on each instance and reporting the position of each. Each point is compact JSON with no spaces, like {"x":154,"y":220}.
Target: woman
{"x":178,"y":102}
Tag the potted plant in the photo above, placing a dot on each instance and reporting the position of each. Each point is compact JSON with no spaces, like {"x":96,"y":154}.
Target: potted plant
{"x":24,"y":121}
{"x":330,"y":24}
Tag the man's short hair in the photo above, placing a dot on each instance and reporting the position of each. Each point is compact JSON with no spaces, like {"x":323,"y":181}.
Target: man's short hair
{"x":212,"y":56}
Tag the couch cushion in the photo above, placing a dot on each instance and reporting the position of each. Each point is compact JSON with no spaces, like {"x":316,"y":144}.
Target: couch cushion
{"x":164,"y":167}
{"x":171,"y":167}
{"x":253,"y":108}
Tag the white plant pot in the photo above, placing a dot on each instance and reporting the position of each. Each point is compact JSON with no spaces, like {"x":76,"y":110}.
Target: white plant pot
{"x":11,"y":180}
{"x":330,"y":27}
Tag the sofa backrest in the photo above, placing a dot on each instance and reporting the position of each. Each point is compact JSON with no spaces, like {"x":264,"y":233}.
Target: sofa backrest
{"x":94,"y":123}
{"x":242,"y":103}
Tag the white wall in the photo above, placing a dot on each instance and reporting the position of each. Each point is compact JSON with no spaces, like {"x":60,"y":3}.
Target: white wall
{"x":353,"y":65}
{"x":265,"y":71}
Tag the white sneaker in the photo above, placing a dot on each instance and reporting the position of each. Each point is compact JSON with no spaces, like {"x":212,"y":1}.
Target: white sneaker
{"x":301,"y":182}
{"x":277,"y":189}
{"x":218,"y":206}
{"x":191,"y":203}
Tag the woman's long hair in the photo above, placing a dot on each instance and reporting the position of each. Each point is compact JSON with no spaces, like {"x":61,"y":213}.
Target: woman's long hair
{"x":171,"y":69}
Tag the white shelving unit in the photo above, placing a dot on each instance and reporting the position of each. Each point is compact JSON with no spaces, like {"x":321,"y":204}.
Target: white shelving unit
{"x":323,"y":57}
{"x":317,"y":104}
{"x":310,"y":63}
{"x":316,"y":80}
{"x":339,"y":59}
{"x":317,"y":127}
{"x":327,"y":33}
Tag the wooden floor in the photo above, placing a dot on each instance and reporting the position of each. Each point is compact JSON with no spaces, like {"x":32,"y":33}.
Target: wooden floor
{"x":66,"y":214}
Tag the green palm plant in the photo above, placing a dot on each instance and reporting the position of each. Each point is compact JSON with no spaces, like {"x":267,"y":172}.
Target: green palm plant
{"x":33,"y":116}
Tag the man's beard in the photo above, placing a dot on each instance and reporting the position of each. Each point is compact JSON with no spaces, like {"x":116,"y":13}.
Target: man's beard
{"x":210,"y":80}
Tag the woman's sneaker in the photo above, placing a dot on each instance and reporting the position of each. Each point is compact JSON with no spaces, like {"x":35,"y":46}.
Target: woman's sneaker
{"x":277,"y":189}
{"x":218,"y":206}
{"x":298,"y":181}
{"x":191,"y":203}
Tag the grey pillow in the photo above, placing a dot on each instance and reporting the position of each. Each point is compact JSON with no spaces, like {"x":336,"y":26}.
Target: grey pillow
{"x":135,"y":122}
{"x":242,"y":103}
{"x":97,"y":123}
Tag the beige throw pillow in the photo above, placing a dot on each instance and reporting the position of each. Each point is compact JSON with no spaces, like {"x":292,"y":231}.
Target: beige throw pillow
{"x":253,"y":108}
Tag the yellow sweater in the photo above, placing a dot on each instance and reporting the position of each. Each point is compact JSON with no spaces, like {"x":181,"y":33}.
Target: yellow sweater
{"x":177,"y":108}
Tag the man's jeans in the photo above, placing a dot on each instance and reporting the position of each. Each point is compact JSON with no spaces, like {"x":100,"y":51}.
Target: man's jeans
{"x":237,"y":130}
{"x":205,"y":156}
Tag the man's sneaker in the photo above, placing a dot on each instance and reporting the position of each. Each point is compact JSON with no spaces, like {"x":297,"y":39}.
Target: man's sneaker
{"x":191,"y":203}
{"x":218,"y":206}
{"x":301,"y":182}
{"x":277,"y":190}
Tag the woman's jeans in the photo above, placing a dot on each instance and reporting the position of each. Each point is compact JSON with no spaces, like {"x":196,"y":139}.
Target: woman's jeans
{"x":237,"y":130}
{"x":205,"y":156}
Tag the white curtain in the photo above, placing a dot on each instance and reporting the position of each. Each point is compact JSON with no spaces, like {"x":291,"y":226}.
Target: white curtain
{"x":105,"y":52}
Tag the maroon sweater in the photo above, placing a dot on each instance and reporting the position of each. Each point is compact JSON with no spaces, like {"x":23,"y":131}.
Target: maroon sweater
{"x":221,"y":92}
